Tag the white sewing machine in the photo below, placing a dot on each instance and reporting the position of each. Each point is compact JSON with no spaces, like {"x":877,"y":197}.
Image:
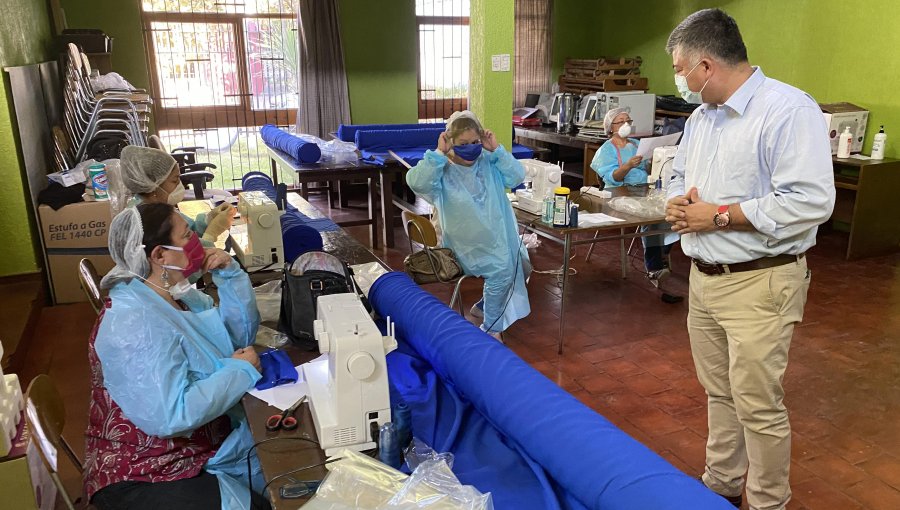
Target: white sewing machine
{"x":661,"y":165}
{"x":257,"y":238}
{"x":544,"y":178}
{"x":348,"y":392}
{"x":11,"y":406}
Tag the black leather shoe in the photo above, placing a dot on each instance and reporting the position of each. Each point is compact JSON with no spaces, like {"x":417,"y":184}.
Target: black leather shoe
{"x":734,"y":500}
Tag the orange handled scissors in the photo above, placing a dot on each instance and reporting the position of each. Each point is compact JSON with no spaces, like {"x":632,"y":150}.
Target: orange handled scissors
{"x":285,"y":420}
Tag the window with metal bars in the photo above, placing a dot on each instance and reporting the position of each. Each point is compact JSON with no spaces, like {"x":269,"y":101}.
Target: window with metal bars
{"x":443,"y":44}
{"x":220,"y":69}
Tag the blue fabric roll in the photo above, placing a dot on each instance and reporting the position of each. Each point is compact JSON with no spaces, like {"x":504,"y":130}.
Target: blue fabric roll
{"x":301,"y":150}
{"x":415,"y":154}
{"x":277,"y":369}
{"x":347,"y":132}
{"x":576,"y":455}
{"x":382,"y":140}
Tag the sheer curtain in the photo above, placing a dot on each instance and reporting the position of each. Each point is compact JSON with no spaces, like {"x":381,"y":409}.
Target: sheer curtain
{"x":533,"y":19}
{"x":324,"y":99}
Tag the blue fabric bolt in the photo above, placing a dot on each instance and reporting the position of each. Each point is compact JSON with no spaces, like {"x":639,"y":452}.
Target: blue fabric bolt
{"x":295,"y":147}
{"x":277,"y":369}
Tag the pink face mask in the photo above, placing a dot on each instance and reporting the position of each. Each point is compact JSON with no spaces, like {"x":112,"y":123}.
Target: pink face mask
{"x":195,"y":254}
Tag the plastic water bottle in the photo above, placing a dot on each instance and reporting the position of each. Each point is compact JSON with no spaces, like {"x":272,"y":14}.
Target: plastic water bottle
{"x":547,"y":216}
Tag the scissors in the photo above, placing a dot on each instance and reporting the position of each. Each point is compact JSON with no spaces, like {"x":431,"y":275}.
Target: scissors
{"x":285,"y":420}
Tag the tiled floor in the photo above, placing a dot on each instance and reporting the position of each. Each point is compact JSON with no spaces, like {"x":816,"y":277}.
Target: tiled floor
{"x":627,"y":356}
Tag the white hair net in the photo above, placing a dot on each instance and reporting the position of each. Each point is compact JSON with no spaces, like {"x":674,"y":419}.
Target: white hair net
{"x":144,"y":168}
{"x":465,"y":114}
{"x":126,"y":246}
{"x":610,"y":117}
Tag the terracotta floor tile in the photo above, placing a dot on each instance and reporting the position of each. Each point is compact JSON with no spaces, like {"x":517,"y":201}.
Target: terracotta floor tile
{"x":885,"y":467}
{"x":817,"y":494}
{"x":688,"y":446}
{"x":805,"y":448}
{"x":598,"y":354}
{"x":834,"y":470}
{"x":696,"y":420}
{"x":656,"y":423}
{"x":875,"y":495}
{"x":645,"y":384}
{"x":600,"y":383}
{"x":619,"y":368}
{"x":621,"y":401}
{"x":675,"y":403}
{"x":851,"y":448}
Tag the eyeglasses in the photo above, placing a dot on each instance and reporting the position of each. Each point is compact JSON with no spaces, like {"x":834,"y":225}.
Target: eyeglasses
{"x":626,"y":121}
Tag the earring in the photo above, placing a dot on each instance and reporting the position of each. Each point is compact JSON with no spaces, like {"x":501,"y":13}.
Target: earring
{"x":165,"y":278}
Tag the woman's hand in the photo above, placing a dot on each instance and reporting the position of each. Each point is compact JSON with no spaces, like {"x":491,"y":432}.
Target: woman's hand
{"x":489,"y":141}
{"x":216,"y":259}
{"x":444,"y":144}
{"x":249,"y":355}
{"x":635,"y":161}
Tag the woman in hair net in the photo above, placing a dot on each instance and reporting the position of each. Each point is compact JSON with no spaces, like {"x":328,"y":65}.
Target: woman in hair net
{"x":466,"y":179}
{"x":153,"y":177}
{"x":166,"y":428}
{"x":617,"y":164}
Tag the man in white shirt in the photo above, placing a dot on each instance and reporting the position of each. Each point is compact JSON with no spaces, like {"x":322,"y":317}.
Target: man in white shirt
{"x":752,"y":180}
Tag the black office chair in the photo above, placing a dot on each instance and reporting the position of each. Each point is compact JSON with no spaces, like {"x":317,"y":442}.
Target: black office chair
{"x":193,"y":175}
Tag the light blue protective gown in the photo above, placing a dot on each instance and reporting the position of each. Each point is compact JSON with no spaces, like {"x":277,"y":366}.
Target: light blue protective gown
{"x":478,"y":224}
{"x":171,"y":371}
{"x":197,"y":224}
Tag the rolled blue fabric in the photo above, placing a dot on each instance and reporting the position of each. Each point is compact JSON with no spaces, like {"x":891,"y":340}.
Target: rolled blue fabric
{"x":298,"y":237}
{"x":347,"y":132}
{"x":400,"y":415}
{"x":295,"y":147}
{"x":383,"y":140}
{"x":583,"y":453}
{"x":277,"y":369}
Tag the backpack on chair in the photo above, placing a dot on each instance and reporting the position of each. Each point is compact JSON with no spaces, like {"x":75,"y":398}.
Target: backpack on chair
{"x":311,"y":275}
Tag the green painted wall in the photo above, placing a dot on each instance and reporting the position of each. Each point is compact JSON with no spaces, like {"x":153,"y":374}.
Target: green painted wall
{"x":492,"y":29}
{"x":25,"y":38}
{"x":380,"y":59}
{"x":834,"y":50}
{"x":576,"y":24}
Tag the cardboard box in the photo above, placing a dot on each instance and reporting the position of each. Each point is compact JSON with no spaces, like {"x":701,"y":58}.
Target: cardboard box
{"x":70,"y":234}
{"x":25,"y":479}
{"x":842,"y":115}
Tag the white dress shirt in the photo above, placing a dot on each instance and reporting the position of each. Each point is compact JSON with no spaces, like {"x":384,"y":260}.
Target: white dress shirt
{"x":766,"y":149}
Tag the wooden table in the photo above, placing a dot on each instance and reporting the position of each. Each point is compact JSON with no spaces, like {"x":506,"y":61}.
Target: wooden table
{"x":866,"y":192}
{"x":569,"y":237}
{"x":345,"y":171}
{"x":281,"y":456}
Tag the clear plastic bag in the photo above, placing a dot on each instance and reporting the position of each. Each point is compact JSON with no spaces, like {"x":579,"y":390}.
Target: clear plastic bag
{"x":366,"y":274}
{"x":268,"y":301}
{"x":652,"y":205}
{"x":434,"y":486}
{"x":358,"y":481}
{"x":418,"y":452}
{"x":530,"y":240}
{"x":268,"y":337}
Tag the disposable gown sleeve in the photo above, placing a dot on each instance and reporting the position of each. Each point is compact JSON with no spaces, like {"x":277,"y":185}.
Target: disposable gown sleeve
{"x":237,"y":304}
{"x":510,"y":168}
{"x":147,"y":373}
{"x":605,"y":163}
{"x":197,"y":224}
{"x":425,"y":178}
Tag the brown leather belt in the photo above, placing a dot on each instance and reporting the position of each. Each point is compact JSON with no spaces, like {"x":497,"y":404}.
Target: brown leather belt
{"x":763,"y":263}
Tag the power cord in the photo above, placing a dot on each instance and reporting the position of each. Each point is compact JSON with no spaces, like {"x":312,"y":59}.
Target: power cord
{"x":264,"y":441}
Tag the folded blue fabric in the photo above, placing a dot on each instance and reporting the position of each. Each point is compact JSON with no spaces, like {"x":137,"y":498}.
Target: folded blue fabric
{"x":297,"y":148}
{"x":347,"y":132}
{"x":500,"y":417}
{"x":382,"y":140}
{"x":277,"y":369}
{"x":412,"y":155}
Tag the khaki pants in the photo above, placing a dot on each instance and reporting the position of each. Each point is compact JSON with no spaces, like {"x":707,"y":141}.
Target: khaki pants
{"x":740,"y":326}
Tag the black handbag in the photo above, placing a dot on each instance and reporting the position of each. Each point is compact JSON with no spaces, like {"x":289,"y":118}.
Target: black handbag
{"x":313,"y":274}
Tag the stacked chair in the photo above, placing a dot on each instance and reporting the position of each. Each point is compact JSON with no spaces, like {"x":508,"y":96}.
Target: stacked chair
{"x":96,"y":124}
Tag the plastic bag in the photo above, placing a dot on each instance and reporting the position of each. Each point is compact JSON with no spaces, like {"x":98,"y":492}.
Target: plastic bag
{"x":434,"y":486}
{"x":530,"y":240}
{"x":653,"y":205}
{"x":418,"y":452}
{"x":110,"y":81}
{"x":268,"y":337}
{"x":358,"y":481}
{"x":366,"y":274}
{"x":268,"y":301}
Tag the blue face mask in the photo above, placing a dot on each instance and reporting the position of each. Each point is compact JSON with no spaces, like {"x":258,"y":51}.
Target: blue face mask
{"x":468,"y":152}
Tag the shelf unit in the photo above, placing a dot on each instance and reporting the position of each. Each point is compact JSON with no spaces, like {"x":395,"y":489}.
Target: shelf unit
{"x":867,"y":190}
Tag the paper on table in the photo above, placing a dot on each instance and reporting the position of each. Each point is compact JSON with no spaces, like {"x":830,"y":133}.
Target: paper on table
{"x":646,"y":145}
{"x":596,"y":219}
{"x":286,"y":395}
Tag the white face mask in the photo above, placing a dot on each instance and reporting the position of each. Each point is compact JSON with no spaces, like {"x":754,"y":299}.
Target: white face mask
{"x":625,"y":130}
{"x":177,"y":291}
{"x":176,"y":195}
{"x":686,"y":93}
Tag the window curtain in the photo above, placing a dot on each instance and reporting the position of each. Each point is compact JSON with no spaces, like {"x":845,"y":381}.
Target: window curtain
{"x":324,"y":98}
{"x":533,"y":20}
